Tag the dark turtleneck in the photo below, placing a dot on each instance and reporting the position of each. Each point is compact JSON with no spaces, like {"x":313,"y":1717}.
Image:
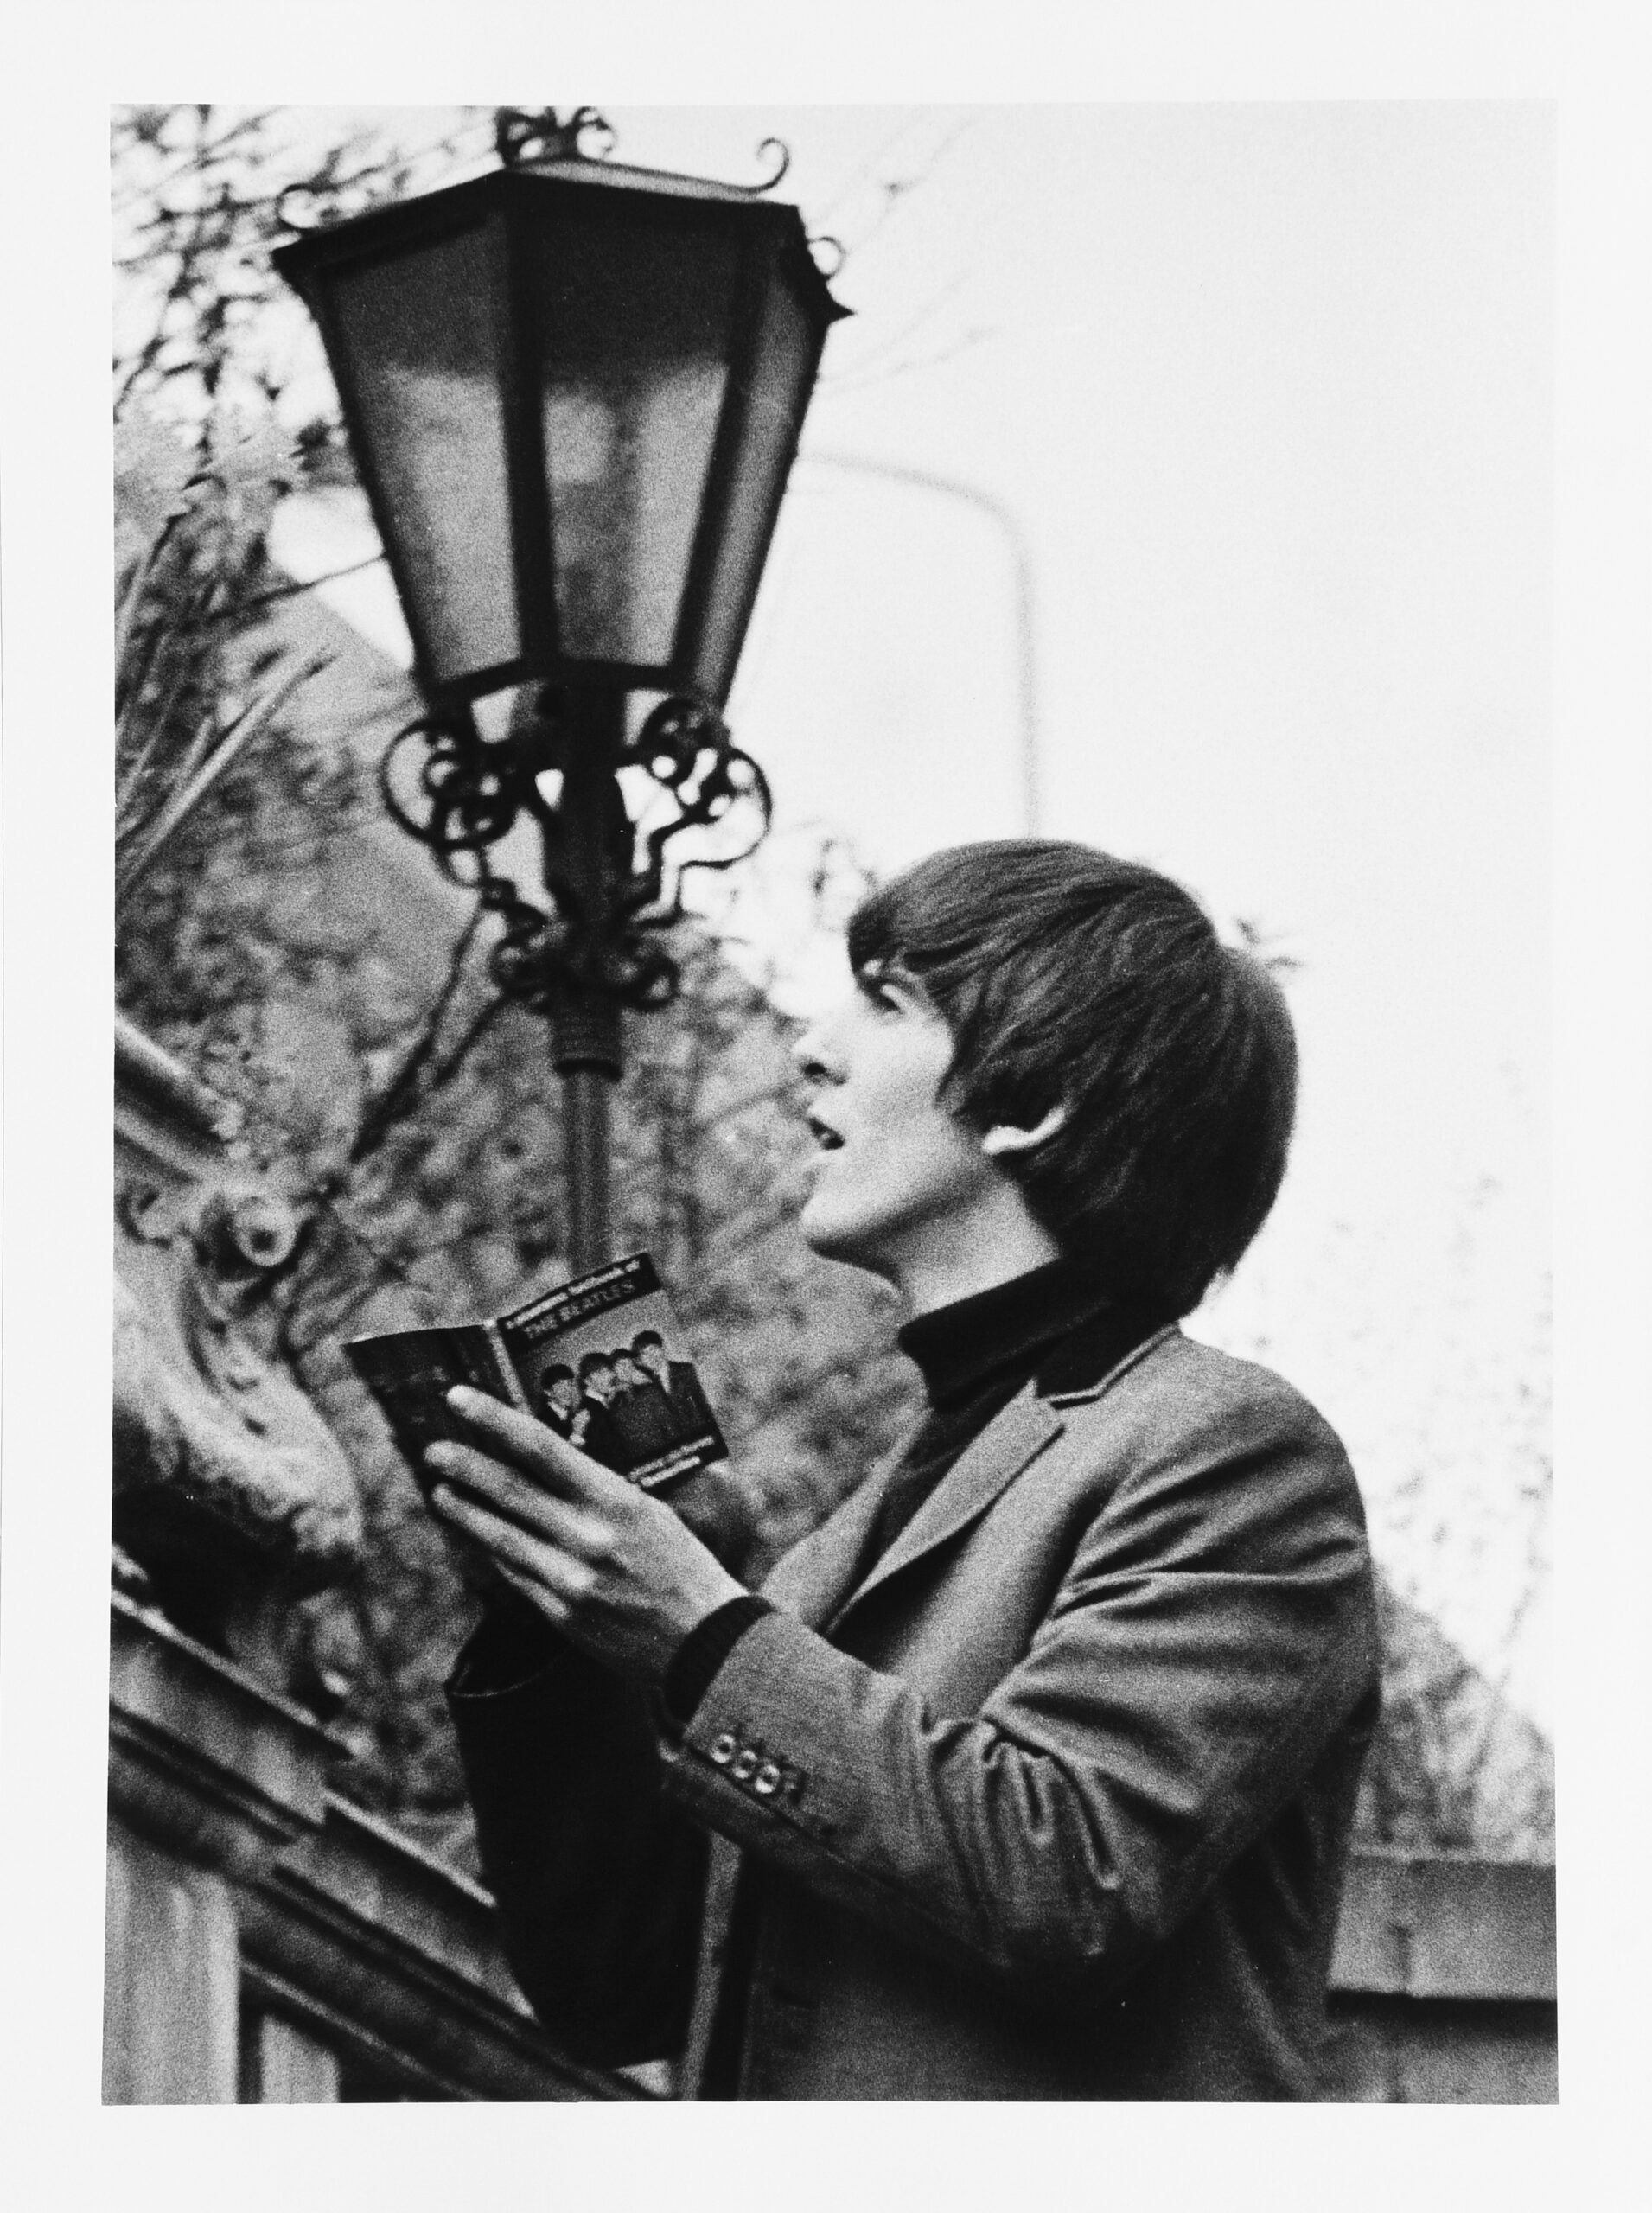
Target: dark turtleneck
{"x":1056,"y":1323}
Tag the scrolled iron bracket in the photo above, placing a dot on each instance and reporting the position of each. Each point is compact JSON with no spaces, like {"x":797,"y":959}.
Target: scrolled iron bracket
{"x":468,"y":793}
{"x":529,"y":137}
{"x":460,"y":795}
{"x":778,"y":153}
{"x":526,"y":135}
{"x":288,"y":201}
{"x":685,"y":747}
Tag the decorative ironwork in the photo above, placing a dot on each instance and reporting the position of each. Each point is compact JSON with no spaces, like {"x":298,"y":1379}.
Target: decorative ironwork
{"x":288,"y":202}
{"x":531,"y":136}
{"x":780,"y":154}
{"x":522,"y":134}
{"x":613,"y":887}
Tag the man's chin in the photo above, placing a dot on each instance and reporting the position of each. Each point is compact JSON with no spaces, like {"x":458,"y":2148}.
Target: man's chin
{"x":816,"y":1233}
{"x":835,"y":1240}
{"x":830,"y":1239}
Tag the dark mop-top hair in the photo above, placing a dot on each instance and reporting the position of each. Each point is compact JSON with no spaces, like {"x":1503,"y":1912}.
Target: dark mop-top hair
{"x":1068,"y":979}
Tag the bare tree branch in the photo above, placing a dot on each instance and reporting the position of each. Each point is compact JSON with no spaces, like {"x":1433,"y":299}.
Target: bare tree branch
{"x":398,"y":1093}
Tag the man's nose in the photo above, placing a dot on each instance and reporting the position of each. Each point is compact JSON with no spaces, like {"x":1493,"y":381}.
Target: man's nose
{"x":812,"y":1053}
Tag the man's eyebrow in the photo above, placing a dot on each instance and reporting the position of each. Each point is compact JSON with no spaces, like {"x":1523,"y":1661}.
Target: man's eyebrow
{"x":886,"y":968}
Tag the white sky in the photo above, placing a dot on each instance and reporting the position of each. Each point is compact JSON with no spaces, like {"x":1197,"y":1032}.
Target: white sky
{"x":1268,"y":390}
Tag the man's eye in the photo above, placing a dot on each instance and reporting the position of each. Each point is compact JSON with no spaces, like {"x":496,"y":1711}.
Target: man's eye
{"x":884,"y":994}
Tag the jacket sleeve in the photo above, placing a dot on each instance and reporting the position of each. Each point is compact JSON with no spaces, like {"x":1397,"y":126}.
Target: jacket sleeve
{"x":1211,"y":1633}
{"x":597,"y":1879}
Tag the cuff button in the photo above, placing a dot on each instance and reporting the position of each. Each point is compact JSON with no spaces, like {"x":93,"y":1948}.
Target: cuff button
{"x":767,"y":1780}
{"x":745,"y":1764}
{"x":723,"y":1749}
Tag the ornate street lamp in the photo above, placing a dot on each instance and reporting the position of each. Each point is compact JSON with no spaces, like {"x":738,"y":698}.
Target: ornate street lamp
{"x":574,"y":391}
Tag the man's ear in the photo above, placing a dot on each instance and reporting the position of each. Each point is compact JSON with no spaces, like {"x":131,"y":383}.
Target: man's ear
{"x":1006,"y":1136}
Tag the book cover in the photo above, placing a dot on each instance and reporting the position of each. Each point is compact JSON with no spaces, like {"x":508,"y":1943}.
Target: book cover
{"x":600,"y":1360}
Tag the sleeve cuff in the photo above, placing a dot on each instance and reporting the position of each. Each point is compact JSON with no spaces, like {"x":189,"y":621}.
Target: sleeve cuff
{"x":703,"y":1651}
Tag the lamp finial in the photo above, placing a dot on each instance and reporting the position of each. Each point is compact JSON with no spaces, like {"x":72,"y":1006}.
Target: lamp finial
{"x":523,"y":135}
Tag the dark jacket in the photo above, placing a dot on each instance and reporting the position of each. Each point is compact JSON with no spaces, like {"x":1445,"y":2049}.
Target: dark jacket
{"x":643,"y":1428}
{"x":691,"y":1413}
{"x":1052,"y":1803}
{"x":594,"y":1432}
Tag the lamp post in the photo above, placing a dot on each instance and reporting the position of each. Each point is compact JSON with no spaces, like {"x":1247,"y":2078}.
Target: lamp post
{"x":574,"y":391}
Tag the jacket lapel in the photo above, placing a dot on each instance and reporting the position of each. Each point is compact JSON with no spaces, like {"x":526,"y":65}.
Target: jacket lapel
{"x":816,"y":1580}
{"x":811,"y":1580}
{"x":981,"y":1471}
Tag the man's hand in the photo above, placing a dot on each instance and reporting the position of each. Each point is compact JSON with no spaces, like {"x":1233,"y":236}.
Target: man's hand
{"x":612,"y":1568}
{"x":717,"y":1510}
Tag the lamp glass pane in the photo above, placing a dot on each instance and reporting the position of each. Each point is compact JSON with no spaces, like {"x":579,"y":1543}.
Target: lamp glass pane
{"x":423,"y":350}
{"x":778,"y":379}
{"x":634,"y":332}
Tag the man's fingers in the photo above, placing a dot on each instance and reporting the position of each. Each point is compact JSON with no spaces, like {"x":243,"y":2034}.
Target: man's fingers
{"x":552,"y":1608}
{"x":519,"y":1554}
{"x":713,"y":1506}
{"x":559,"y":1521}
{"x":502,"y":1484}
{"x":515,"y":1435}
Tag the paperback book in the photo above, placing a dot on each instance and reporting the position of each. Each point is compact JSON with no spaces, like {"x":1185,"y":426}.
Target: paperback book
{"x":600,"y":1360}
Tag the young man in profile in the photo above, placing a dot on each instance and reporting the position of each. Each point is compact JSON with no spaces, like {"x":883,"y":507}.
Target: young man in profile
{"x":1031,"y":1773}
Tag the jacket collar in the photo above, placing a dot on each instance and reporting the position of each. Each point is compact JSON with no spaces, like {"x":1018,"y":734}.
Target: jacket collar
{"x":1093,"y":1391}
{"x":987,"y":1466}
{"x":816,"y":1581}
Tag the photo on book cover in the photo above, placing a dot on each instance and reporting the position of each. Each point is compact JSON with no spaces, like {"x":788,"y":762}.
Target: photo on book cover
{"x":601,"y":1363}
{"x":600,"y":1360}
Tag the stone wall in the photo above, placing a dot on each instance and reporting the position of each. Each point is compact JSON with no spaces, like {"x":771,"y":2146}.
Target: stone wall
{"x":268,"y":1943}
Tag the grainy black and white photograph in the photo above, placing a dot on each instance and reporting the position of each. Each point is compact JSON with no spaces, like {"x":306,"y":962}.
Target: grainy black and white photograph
{"x":934,"y":719}
{"x":939,"y":715}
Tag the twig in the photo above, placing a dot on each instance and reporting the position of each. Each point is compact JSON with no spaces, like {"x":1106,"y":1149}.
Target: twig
{"x":383,"y":1110}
